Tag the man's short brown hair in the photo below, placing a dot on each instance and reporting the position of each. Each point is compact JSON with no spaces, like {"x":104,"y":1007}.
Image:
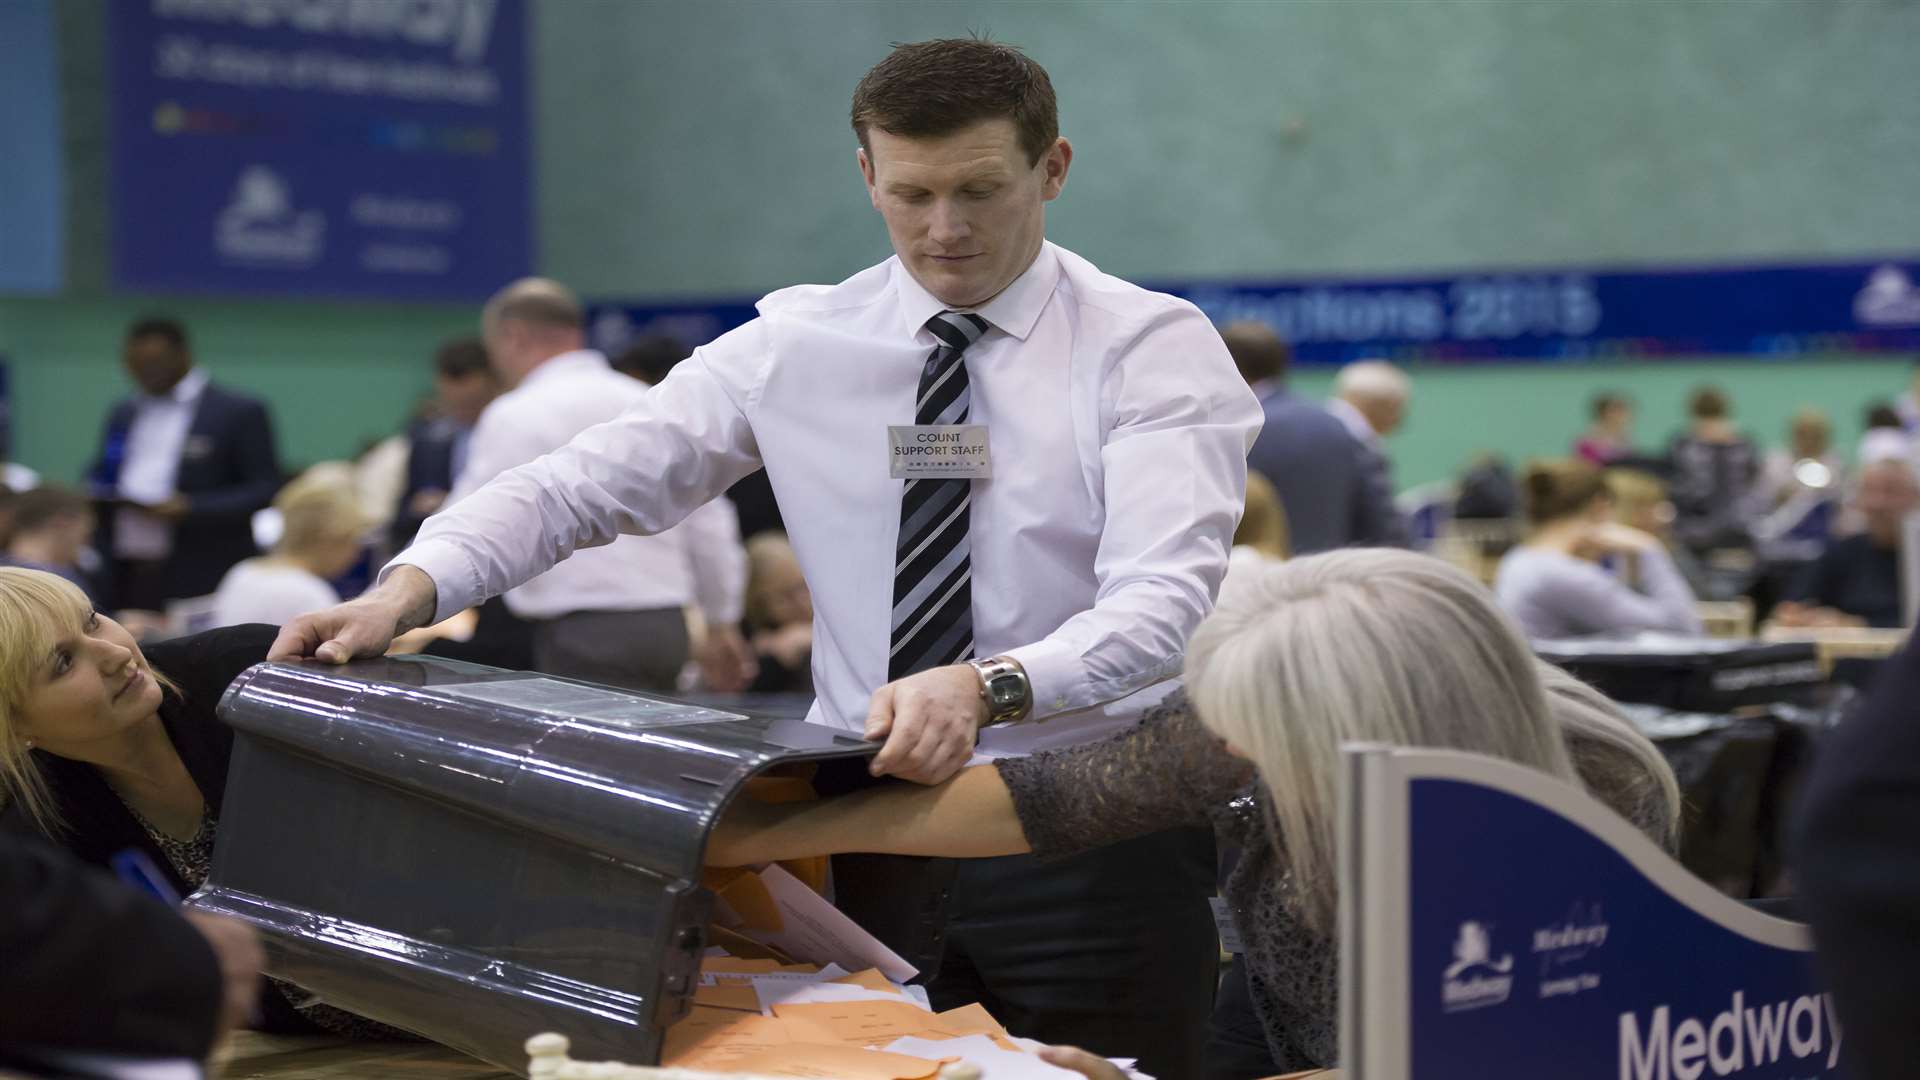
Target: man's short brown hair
{"x":927,"y":89}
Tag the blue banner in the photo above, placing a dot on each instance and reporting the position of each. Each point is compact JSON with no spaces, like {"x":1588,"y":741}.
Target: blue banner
{"x":1571,"y":314}
{"x":1544,"y":936}
{"x":323,"y":148}
{"x":33,"y":215}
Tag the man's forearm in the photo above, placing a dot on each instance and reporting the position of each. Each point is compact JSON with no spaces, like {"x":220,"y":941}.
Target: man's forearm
{"x":413,"y":596}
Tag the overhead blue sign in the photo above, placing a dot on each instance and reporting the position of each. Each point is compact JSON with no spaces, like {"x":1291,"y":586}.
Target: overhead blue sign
{"x":1572,"y":314}
{"x":326,"y":147}
{"x":33,"y":217}
{"x":1514,"y":927}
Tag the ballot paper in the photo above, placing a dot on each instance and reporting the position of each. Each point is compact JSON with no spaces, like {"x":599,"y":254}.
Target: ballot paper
{"x":994,"y":1061}
{"x":771,"y":992}
{"x":812,"y":929}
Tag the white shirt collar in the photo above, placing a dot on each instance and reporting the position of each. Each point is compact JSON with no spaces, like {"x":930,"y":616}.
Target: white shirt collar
{"x":576,"y":360}
{"x":1343,"y":410}
{"x":1014,"y":310}
{"x":185,"y":392}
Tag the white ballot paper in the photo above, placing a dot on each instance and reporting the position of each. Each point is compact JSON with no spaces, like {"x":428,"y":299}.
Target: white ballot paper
{"x":815,"y":931}
{"x":998,"y":1063}
{"x":773,"y":992}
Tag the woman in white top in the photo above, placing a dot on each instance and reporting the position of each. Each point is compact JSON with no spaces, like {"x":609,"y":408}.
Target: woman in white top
{"x":1579,"y":573}
{"x":323,"y":525}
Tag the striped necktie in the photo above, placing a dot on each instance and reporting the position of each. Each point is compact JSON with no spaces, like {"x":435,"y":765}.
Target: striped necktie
{"x":932,"y":571}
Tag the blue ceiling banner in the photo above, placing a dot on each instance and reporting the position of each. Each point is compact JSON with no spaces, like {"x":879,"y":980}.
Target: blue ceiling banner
{"x":1539,"y":315}
{"x":337,"y":148}
{"x":1497,"y":921}
{"x":33,"y":216}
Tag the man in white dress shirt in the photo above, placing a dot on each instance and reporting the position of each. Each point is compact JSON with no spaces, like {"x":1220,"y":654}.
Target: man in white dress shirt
{"x":1011,"y":481}
{"x":615,"y":614}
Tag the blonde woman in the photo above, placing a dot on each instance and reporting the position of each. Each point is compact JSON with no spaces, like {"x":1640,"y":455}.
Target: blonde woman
{"x":323,"y":527}
{"x":107,"y":745}
{"x":1373,"y":645}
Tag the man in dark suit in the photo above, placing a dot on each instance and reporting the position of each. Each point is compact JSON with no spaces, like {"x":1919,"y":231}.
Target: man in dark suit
{"x":94,"y":967}
{"x":1326,"y":478}
{"x":1857,"y":862}
{"x":463,"y":384}
{"x":183,"y":466}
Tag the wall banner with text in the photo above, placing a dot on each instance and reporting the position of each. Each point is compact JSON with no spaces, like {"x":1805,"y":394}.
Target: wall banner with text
{"x":1545,"y":315}
{"x":324,"y":148}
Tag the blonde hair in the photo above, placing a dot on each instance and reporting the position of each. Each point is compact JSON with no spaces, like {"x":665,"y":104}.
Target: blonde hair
{"x":37,"y":609}
{"x":1263,"y":527}
{"x":765,"y":553}
{"x":1386,"y":646}
{"x":319,"y":506}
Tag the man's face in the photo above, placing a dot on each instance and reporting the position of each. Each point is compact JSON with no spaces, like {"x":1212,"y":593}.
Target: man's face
{"x":1887,"y":495}
{"x":465,"y":397}
{"x":155,"y":363}
{"x":965,"y":212}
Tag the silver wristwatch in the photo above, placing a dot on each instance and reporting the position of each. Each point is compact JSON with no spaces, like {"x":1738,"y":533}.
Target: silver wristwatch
{"x":1004,"y":688}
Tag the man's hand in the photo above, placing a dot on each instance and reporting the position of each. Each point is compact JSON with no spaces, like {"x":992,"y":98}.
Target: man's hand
{"x":1078,"y":1060}
{"x":930,"y":721}
{"x":727,"y":663}
{"x":173,"y":508}
{"x":363,"y":626}
{"x":238,"y":951}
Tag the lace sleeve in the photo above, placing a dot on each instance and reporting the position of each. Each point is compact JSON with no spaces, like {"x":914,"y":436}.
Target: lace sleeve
{"x":1163,"y":772}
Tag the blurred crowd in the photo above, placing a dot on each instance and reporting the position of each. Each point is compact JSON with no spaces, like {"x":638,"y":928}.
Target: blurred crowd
{"x":186,"y":519}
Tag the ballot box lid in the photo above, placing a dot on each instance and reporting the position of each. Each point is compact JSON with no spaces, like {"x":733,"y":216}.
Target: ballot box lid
{"x":475,"y":854}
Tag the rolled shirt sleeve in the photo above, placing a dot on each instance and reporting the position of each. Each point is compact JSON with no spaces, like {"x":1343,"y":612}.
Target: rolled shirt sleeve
{"x":1175,"y":481}
{"x":641,"y":473}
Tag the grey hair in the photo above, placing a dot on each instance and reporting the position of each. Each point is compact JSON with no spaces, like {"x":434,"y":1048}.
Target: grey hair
{"x":1371,"y":645}
{"x":1372,"y":380}
{"x":1619,"y":765}
{"x":536,"y":301}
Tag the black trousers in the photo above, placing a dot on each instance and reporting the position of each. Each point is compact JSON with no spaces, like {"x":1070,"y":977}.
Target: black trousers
{"x":1113,"y":950}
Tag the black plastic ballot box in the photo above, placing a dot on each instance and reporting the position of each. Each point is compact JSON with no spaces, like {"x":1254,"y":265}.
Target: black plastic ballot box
{"x":479,"y":855}
{"x":1691,"y":674}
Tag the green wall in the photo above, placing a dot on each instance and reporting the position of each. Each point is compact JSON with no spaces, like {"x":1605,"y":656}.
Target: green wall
{"x":688,"y":149}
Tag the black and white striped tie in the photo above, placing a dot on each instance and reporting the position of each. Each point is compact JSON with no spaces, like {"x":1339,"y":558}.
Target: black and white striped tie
{"x":932,"y":570}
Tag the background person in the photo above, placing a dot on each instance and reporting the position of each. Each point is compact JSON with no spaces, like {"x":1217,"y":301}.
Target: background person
{"x":1712,"y":472}
{"x":323,"y":532}
{"x":779,"y":616}
{"x":1328,"y":482}
{"x":1553,"y":583}
{"x":464,"y":384}
{"x":1371,"y":397}
{"x":1856,"y":580}
{"x":1067,"y":581}
{"x":1609,"y":437}
{"x":615,"y":614}
{"x":185,"y":463}
{"x":1286,"y":670}
{"x":50,"y":531}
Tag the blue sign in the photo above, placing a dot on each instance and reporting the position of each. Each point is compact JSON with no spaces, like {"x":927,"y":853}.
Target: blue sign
{"x":1540,"y":315}
{"x":1543,"y":936}
{"x":328,"y":147}
{"x":33,"y":216}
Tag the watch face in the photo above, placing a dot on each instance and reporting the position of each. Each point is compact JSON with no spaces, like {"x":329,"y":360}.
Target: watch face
{"x":1005,"y":690}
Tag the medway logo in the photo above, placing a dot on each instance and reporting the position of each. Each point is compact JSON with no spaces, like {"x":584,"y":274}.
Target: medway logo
{"x":1475,"y":979}
{"x":1737,"y":1039}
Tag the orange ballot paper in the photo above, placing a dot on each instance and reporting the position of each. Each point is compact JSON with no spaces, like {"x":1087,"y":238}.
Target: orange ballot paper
{"x":719,"y":1038}
{"x":837,"y":1063}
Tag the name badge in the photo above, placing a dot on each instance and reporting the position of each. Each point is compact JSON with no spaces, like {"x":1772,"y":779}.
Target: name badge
{"x":938,"y":451}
